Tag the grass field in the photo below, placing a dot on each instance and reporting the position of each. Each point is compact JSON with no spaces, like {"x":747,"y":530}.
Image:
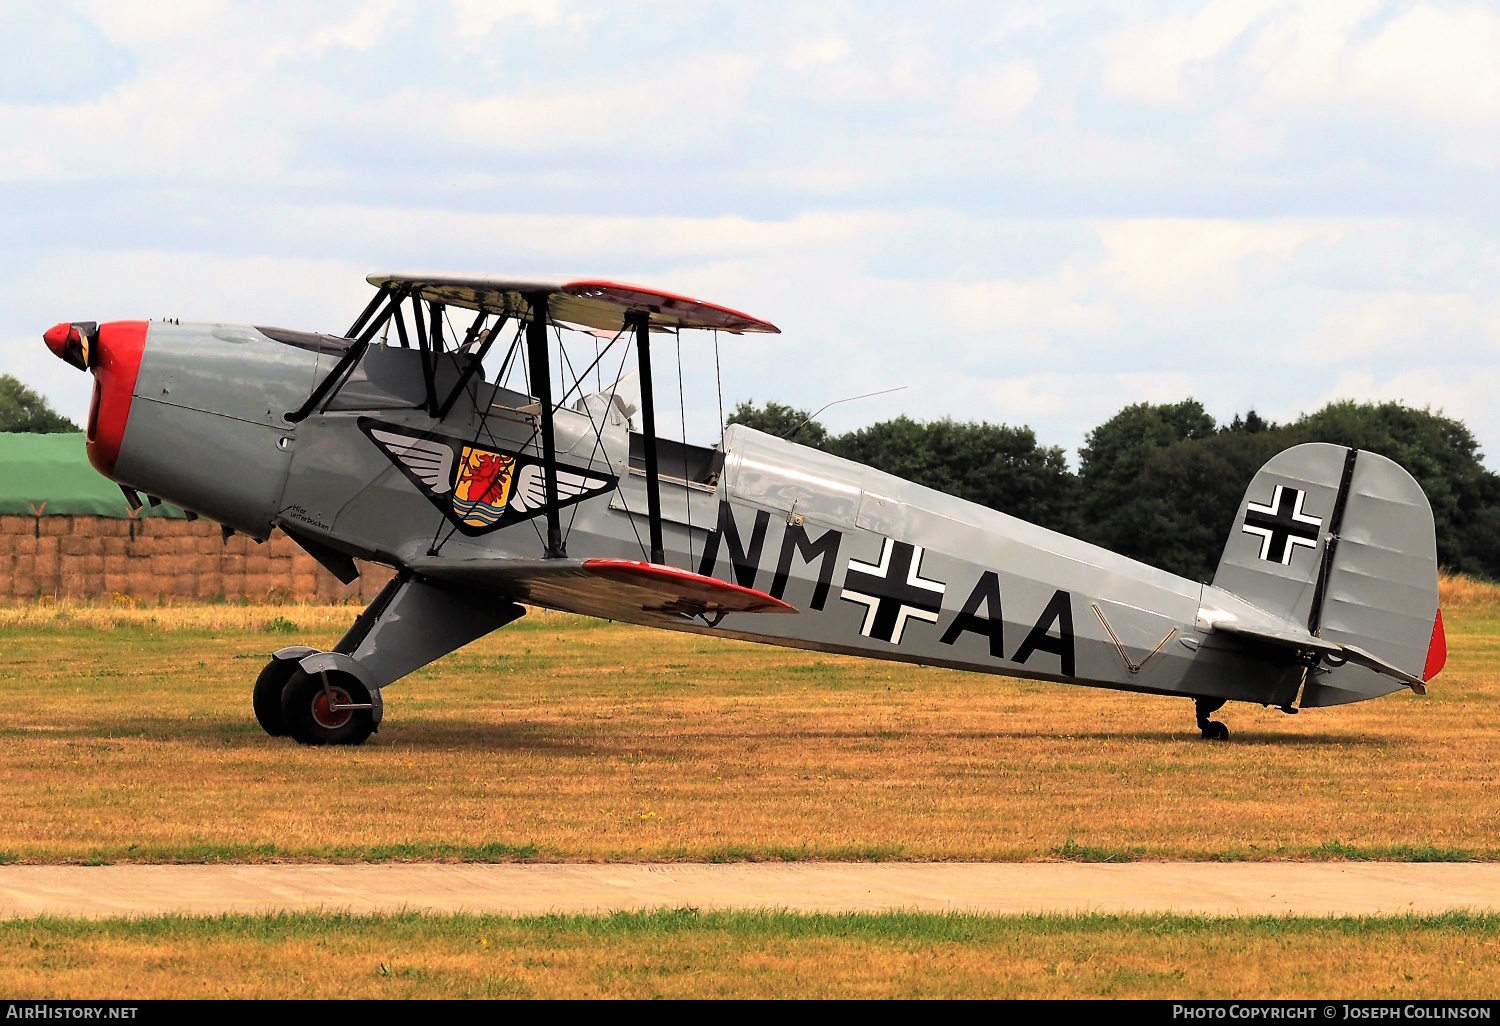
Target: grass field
{"x":687,"y":954}
{"x":126,"y":733}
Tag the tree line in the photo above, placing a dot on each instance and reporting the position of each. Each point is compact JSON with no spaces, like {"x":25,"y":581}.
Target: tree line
{"x":1159,"y":482}
{"x":22,"y":409}
{"x":1163,"y":482}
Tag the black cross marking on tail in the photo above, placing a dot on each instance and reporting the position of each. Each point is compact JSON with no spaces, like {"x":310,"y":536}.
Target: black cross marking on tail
{"x":892,"y":591}
{"x":1281,"y":525}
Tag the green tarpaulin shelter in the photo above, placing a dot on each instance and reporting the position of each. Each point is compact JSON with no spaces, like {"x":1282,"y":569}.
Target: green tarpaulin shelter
{"x":50,"y":475}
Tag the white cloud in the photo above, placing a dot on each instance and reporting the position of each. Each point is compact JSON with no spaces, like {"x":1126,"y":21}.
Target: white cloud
{"x":1169,"y":259}
{"x":1437,"y":67}
{"x":1142,"y":310}
{"x":1465,"y":391}
{"x":1035,"y":215}
{"x":1429,"y":67}
{"x":1149,"y":61}
{"x":1028,"y":312}
{"x":210,"y":99}
{"x":75,"y":285}
{"x":997,"y":94}
{"x":688,"y":103}
{"x":475,"y":19}
{"x":830,"y":49}
{"x":365,"y":27}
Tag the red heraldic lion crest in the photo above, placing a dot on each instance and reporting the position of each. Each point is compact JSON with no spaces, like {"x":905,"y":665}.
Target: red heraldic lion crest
{"x":483,"y":487}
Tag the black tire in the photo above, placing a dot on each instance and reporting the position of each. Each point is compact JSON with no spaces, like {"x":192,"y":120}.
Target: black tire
{"x":267,"y":695}
{"x":304,"y":708}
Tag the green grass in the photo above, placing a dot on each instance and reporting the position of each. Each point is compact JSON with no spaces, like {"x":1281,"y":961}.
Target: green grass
{"x":925,"y":927}
{"x":692,"y":953}
{"x":1072,"y":851}
{"x":207,"y":854}
{"x":1398,"y":853}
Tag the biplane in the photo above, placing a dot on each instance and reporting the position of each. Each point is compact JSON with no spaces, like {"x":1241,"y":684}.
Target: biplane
{"x":445,"y":435}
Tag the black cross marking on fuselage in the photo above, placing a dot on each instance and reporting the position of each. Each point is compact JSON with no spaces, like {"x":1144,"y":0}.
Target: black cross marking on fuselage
{"x":892,"y":591}
{"x":1281,"y":525}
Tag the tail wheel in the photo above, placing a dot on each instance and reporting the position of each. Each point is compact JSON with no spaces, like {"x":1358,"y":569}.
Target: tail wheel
{"x":266,"y":698}
{"x":1212,"y":730}
{"x":335,"y":711}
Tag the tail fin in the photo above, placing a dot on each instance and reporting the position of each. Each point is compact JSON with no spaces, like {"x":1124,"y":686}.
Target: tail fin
{"x":1341,"y":542}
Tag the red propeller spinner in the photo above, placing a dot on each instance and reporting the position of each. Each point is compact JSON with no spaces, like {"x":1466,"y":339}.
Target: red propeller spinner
{"x":73,"y":343}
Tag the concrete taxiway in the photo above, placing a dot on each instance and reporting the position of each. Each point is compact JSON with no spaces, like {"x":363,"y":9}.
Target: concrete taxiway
{"x":1220,"y":889}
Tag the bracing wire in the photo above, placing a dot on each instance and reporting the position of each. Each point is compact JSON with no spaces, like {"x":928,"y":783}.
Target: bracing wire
{"x":687,"y":491}
{"x":569,"y":364}
{"x":719,"y":382}
{"x":536,"y":425}
{"x":515,"y":345}
{"x":473,"y":386}
{"x":598,"y":427}
{"x":483,"y":426}
{"x":448,"y":325}
{"x":596,"y":364}
{"x":599,"y":440}
{"x":525,"y":366}
{"x":564,"y":362}
{"x":502,"y":380}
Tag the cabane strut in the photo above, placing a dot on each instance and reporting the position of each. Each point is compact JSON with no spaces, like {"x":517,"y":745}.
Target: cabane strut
{"x":596,"y":305}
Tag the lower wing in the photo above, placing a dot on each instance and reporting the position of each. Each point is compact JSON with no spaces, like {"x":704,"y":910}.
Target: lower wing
{"x":612,"y":589}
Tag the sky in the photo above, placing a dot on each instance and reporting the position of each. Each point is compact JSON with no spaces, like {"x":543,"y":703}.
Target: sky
{"x":1022,"y":213}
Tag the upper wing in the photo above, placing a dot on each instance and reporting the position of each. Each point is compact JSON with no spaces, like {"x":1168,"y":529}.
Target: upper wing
{"x":430,"y":462}
{"x":531,"y":487}
{"x":588,"y":302}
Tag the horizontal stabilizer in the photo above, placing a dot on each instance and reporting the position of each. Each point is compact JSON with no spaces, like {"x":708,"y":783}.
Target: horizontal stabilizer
{"x":612,"y":589}
{"x":1335,"y":652}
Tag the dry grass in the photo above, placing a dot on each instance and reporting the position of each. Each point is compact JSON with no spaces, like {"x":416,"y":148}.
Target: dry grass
{"x":1456,"y":591}
{"x":206,"y":618}
{"x":685,"y":954}
{"x":127,"y":734}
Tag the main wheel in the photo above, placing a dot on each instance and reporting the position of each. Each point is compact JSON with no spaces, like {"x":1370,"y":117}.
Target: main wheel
{"x":266,"y":698}
{"x":1215,"y":731}
{"x":312,"y":720}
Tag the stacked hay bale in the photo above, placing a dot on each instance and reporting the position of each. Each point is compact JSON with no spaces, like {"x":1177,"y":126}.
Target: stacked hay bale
{"x":160,"y":559}
{"x":66,"y":532}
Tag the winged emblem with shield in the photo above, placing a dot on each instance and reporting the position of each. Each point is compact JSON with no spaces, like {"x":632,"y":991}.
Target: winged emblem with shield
{"x":480,"y":489}
{"x":464,"y":432}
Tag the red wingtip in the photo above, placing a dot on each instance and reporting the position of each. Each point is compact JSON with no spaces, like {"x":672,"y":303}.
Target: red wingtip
{"x":1437,"y":650}
{"x":717,"y":593}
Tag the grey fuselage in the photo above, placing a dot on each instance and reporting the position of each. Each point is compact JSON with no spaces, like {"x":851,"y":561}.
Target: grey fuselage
{"x":935,"y":580}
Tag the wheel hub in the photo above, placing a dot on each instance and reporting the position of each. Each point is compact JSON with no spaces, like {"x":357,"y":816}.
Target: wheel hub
{"x":328,"y":716}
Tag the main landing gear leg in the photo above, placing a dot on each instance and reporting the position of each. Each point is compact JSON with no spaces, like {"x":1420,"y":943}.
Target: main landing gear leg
{"x":1213,"y":730}
{"x":333,"y":698}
